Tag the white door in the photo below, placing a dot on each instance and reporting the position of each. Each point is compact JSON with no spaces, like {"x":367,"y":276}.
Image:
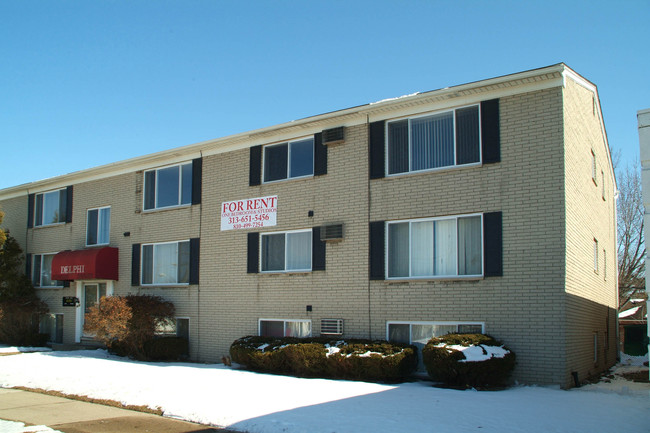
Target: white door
{"x":91,"y":294}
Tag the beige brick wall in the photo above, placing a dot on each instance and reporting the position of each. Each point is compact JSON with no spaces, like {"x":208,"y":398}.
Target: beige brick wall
{"x":15,"y":219}
{"x":590,"y":214}
{"x":233,"y":301}
{"x":523,"y":308}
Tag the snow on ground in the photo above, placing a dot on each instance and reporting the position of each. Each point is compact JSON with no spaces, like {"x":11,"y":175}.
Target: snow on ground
{"x":21,"y":349}
{"x":262,"y":403}
{"x":19,"y":427}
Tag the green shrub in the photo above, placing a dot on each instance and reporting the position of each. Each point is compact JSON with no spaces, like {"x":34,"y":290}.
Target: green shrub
{"x":448,"y":365}
{"x":322,"y":357}
{"x":166,"y":348}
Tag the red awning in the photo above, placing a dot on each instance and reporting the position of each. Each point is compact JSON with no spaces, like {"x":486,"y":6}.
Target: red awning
{"x":90,"y":264}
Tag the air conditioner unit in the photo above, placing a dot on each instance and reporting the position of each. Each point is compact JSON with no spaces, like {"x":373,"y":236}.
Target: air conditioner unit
{"x":331,"y":326}
{"x":331,"y":232}
{"x":334,"y":135}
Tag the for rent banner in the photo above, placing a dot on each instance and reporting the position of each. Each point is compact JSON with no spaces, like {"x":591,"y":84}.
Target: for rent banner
{"x":249,"y":213}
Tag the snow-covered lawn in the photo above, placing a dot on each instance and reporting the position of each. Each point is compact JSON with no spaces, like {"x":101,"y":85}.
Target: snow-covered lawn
{"x":246,"y":401}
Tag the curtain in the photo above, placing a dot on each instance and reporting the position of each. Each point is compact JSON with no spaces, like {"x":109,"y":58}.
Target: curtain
{"x":469,"y":246}
{"x":165,"y":263}
{"x":432,"y":142}
{"x":184,"y":262}
{"x":399,"y":333}
{"x":467,"y":135}
{"x":398,"y":250}
{"x":421,"y":249}
{"x":46,"y":270}
{"x":273,"y":252}
{"x":297,"y":329}
{"x":299,"y":251}
{"x":104,"y":225}
{"x":301,"y":158}
{"x":147,"y":264}
{"x":398,"y":151}
{"x":445,"y":247}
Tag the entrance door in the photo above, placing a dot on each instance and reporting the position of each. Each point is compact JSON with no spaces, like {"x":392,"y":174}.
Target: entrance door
{"x":91,"y":294}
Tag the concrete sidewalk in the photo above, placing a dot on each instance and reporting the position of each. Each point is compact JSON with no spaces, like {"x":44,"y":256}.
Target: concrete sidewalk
{"x":71,"y":416}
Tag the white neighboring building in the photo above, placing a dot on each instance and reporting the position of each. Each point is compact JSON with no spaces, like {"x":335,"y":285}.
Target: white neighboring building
{"x":643,"y":117}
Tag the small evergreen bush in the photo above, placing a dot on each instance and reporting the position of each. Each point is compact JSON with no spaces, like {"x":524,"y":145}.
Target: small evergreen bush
{"x":322,"y":357}
{"x":449,"y":365}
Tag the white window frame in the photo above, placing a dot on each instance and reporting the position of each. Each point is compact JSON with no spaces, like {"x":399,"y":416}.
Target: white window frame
{"x":155,"y":192}
{"x":434,"y":277}
{"x":427,"y":323}
{"x":153,"y":264}
{"x":40,"y":279}
{"x":284,"y":321}
{"x":42,"y":194}
{"x":288,"y":143}
{"x":430,"y":114}
{"x":99,"y":210}
{"x":594,"y":169}
{"x":311,"y":255}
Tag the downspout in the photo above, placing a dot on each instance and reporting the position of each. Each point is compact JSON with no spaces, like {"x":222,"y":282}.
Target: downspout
{"x":198,"y":286}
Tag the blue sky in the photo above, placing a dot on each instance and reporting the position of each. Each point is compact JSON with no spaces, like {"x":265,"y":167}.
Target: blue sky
{"x":86,"y":83}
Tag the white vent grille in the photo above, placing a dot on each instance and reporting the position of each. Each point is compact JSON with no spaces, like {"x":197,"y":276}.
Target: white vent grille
{"x":331,"y":232}
{"x":331,"y":326}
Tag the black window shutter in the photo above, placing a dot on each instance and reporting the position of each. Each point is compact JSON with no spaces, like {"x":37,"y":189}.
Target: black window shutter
{"x":253,"y":253}
{"x":135,"y":265}
{"x":493,"y":248}
{"x":255,"y":169}
{"x":28,"y":266}
{"x":30,"y":210}
{"x":68,"y":204}
{"x":318,"y":251}
{"x":490,"y":131}
{"x":320,"y":155}
{"x":377,"y":259}
{"x":197,"y":175}
{"x":194,"y":260}
{"x":376,"y":149}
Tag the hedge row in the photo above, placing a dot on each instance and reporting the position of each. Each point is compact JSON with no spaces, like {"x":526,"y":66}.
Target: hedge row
{"x":322,"y":357}
{"x":446,"y":362}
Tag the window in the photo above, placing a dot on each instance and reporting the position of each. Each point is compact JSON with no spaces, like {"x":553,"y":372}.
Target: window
{"x":595,"y":255}
{"x":419,"y":333}
{"x":42,"y":271}
{"x":287,"y":251}
{"x":166,"y":263}
{"x":284,"y":328}
{"x":98,"y":226}
{"x":178,"y":327}
{"x":434,"y":141}
{"x":593,"y":167}
{"x":168,"y":187}
{"x":436,"y":247}
{"x":50,"y":208}
{"x":52,"y":324}
{"x":604,"y":265}
{"x":289,"y":160}
{"x":602,"y":177}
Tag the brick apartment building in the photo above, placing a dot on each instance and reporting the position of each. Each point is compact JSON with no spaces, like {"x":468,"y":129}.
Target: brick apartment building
{"x":484,"y":207}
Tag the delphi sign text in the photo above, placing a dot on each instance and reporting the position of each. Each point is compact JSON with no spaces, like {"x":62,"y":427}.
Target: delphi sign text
{"x":249,"y":213}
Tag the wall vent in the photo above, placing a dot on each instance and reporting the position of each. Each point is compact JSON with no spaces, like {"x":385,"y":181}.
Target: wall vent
{"x":331,"y":232}
{"x":334,"y":135}
{"x":331,"y":326}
